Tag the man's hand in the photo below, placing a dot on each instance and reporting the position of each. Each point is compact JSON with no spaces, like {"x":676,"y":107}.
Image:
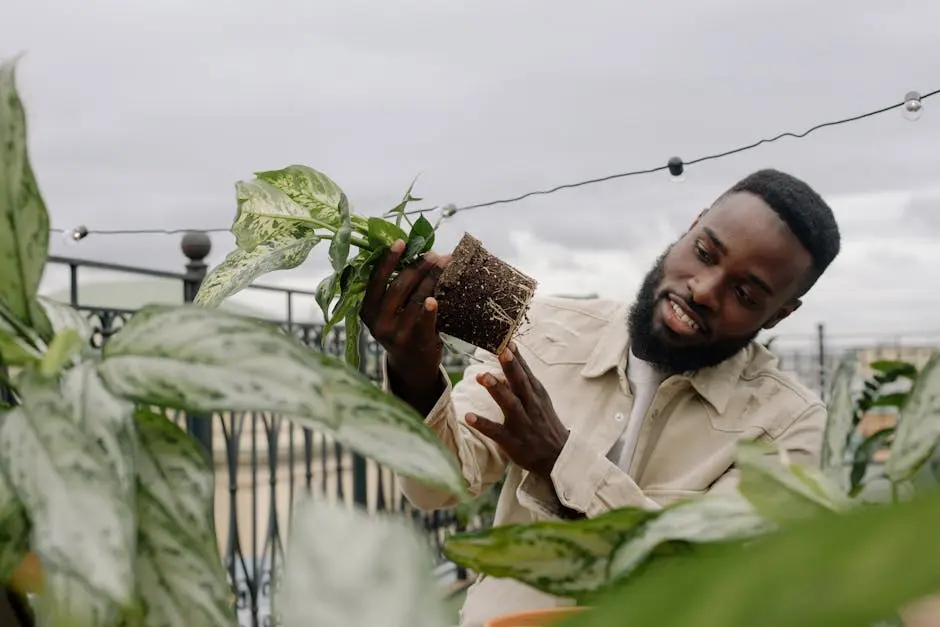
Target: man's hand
{"x":531,"y":435}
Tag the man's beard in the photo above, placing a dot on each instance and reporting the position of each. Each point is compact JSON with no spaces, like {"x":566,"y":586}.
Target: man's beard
{"x":650,"y":345}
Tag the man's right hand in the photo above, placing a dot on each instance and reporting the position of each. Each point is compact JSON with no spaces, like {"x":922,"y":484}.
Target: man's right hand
{"x":402,"y":317}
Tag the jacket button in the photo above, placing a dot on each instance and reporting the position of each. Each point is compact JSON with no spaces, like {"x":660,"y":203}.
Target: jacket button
{"x":618,"y":416}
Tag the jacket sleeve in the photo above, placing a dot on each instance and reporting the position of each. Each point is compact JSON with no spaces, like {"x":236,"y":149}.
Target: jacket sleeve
{"x":588,"y":482}
{"x":479,"y":458}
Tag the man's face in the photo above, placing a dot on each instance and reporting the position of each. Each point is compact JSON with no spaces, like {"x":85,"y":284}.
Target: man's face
{"x":737,"y":270}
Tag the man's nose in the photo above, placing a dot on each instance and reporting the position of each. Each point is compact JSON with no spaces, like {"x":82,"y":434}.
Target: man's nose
{"x":705,"y":290}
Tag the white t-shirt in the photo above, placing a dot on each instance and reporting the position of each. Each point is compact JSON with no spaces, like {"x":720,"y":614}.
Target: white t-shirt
{"x":644,"y":380}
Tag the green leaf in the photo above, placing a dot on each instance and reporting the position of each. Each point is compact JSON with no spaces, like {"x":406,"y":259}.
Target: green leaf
{"x":339,"y":246}
{"x":64,"y":348}
{"x":864,"y":455}
{"x":240,"y":268}
{"x":180,"y":574}
{"x":272,"y":233}
{"x":24,"y":221}
{"x":817,"y":573}
{"x":420,"y":240}
{"x":840,"y":420}
{"x":782,"y":491}
{"x":310,"y":189}
{"x":918,"y":428}
{"x":708,"y":519}
{"x":68,"y":454}
{"x":348,"y":568}
{"x":352,"y":338}
{"x":407,"y":198}
{"x":326,"y":291}
{"x":206,"y":360}
{"x":895,"y":400}
{"x":562,"y":558}
{"x":14,"y":530}
{"x":894,"y":368}
{"x":14,"y":351}
{"x":383,"y":234}
{"x":64,"y":316}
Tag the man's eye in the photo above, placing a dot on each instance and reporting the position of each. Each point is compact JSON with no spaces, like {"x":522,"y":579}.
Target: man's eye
{"x":703,"y":254}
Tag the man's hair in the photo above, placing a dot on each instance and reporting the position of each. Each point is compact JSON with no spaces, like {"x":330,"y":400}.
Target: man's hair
{"x":802,"y":209}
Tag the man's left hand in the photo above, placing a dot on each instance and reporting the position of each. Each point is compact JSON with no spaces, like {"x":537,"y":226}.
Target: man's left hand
{"x":531,"y":434}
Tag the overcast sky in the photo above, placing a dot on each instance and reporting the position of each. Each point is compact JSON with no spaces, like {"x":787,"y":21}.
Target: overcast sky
{"x":143,"y":114}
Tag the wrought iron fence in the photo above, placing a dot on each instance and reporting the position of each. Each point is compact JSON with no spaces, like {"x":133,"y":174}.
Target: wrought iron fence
{"x":263,"y":461}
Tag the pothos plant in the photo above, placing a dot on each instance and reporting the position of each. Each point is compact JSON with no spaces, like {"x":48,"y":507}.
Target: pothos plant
{"x":283,"y":214}
{"x":625,"y":562}
{"x":114,"y":499}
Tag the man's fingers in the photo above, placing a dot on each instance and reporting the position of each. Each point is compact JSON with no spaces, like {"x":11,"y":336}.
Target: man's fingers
{"x":378,"y":283}
{"x":517,"y":377}
{"x":513,"y":409}
{"x":492,"y":430}
{"x":534,"y":383}
{"x":425,"y":330}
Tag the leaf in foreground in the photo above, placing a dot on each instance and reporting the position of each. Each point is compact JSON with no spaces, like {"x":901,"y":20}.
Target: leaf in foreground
{"x":181,"y":579}
{"x":783,"y":491}
{"x":840,"y":420}
{"x":74,"y":489}
{"x":24,"y":221}
{"x":918,"y":430}
{"x":562,"y":558}
{"x":205,"y":361}
{"x":347,"y":567}
{"x":824,"y":572}
{"x":14,"y":530}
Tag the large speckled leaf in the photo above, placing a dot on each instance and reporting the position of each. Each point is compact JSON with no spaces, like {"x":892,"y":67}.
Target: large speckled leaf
{"x":783,"y":491}
{"x":918,"y":430}
{"x":181,"y":578}
{"x":347,"y":568}
{"x":709,"y":519}
{"x":14,"y":530}
{"x":562,"y":558}
{"x":24,"y":222}
{"x":307,"y":187}
{"x":64,"y":316}
{"x":68,"y":453}
{"x":272,"y":233}
{"x":205,"y":360}
{"x":241,"y":267}
{"x":839,"y":422}
{"x":822,"y":572}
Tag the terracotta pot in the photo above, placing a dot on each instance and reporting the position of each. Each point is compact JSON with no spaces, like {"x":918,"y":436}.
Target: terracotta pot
{"x":534,"y":618}
{"x":27,"y":577}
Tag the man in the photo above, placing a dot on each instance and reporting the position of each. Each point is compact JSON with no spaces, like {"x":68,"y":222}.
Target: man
{"x":599,"y":406}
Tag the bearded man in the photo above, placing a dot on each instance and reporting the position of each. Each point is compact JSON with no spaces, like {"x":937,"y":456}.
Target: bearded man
{"x":600,"y":405}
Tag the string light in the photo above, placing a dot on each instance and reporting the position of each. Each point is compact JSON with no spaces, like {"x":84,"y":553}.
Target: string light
{"x":912,"y":108}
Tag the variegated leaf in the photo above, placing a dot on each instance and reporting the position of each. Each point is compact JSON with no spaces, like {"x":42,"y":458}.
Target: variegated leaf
{"x":783,"y":491}
{"x":265,"y":213}
{"x":181,"y":579}
{"x":309,"y":188}
{"x":64,"y":316}
{"x":918,"y":430}
{"x":709,"y":519}
{"x":74,"y":488}
{"x":14,"y":530}
{"x":562,"y":558}
{"x":24,"y":222}
{"x":346,"y":567}
{"x":206,"y":360}
{"x":819,"y":573}
{"x":839,"y":421}
{"x":241,"y":267}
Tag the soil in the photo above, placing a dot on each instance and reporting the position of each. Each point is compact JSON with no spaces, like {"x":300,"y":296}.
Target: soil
{"x":482,"y":300}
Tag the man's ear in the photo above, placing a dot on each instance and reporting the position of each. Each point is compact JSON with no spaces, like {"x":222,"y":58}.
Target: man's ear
{"x":783,"y":313}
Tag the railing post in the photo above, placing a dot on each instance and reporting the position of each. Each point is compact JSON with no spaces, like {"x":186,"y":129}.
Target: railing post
{"x":821,"y":339}
{"x":360,"y":490}
{"x":196,"y":247}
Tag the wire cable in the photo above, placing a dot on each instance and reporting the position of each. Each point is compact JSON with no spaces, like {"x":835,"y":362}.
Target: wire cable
{"x":450,"y":210}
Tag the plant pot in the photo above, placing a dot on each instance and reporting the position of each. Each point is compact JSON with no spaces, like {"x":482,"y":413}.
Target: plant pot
{"x":535,"y":618}
{"x":482,"y":300}
{"x":27,"y":577}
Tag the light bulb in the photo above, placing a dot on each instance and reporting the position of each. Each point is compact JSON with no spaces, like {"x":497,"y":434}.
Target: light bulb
{"x":676,"y":169}
{"x":73,"y":236}
{"x":912,"y":106}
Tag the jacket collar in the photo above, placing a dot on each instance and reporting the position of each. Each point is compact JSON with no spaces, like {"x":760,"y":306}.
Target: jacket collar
{"x":715,"y":384}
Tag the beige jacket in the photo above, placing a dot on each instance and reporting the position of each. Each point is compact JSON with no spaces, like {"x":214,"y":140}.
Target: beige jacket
{"x":578,"y":349}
